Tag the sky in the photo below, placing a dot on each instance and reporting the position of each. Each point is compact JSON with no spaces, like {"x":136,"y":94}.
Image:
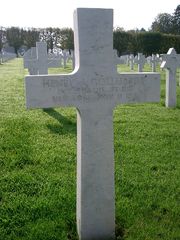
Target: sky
{"x":128,"y":14}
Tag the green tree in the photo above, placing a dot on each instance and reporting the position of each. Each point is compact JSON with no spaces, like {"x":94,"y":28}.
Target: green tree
{"x":15,"y":38}
{"x":51,"y":36}
{"x":30,"y":37}
{"x":163,"y":23}
{"x":168,"y":41}
{"x":2,"y":38}
{"x":66,"y":38}
{"x":176,"y":20}
{"x":149,"y":42}
{"x":48,"y":35}
{"x":121,"y":40}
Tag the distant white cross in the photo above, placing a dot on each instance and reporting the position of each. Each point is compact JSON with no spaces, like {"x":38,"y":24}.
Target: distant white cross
{"x":37,"y":61}
{"x":171,"y":61}
{"x":140,"y":61}
{"x":117,"y":60}
{"x":94,"y":88}
{"x":65,"y":58}
{"x":29,"y":57}
{"x":131,"y":62}
{"x":153,"y":61}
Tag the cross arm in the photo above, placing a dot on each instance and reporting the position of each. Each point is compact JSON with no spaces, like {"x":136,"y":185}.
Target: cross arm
{"x":45,"y":91}
{"x":30,"y":63}
{"x":137,"y":88}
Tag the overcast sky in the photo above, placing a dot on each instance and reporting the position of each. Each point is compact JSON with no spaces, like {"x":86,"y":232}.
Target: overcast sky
{"x":129,"y":14}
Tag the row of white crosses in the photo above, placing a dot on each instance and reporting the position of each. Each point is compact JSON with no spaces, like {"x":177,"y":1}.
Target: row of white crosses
{"x":64,"y":56}
{"x":131,"y":62}
{"x":72,"y":58}
{"x":38,"y":61}
{"x":171,"y":61}
{"x":117,"y":60}
{"x":140,"y":60}
{"x":6,"y":56}
{"x":94,"y":88}
{"x":154,"y":60}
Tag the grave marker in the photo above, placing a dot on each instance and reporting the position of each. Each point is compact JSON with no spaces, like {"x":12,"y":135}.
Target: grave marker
{"x":131,"y":62}
{"x":37,"y":61}
{"x":29,"y":58}
{"x":72,"y":58}
{"x":127,"y":60}
{"x":171,"y":61}
{"x":7,"y":56}
{"x":153,"y":61}
{"x":117,"y":60}
{"x":94,"y":88}
{"x":65,"y":58}
{"x":140,"y":60}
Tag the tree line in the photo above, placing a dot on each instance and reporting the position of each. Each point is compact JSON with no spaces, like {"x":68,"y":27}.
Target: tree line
{"x":54,"y":37}
{"x":163,"y":34}
{"x":167,"y":23}
{"x":147,"y":43}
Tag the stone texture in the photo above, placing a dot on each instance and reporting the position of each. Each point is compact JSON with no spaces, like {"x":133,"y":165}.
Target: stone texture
{"x":94,"y":88}
{"x":171,"y":61}
{"x":29,"y":58}
{"x":140,"y":60}
{"x":131,"y":62}
{"x":154,"y":61}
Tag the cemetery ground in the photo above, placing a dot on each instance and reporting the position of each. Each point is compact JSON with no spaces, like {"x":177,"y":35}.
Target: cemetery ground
{"x":38,"y":166}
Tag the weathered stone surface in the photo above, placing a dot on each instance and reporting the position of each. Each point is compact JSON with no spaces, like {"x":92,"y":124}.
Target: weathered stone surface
{"x":140,"y":60}
{"x":94,"y":88}
{"x":171,"y":61}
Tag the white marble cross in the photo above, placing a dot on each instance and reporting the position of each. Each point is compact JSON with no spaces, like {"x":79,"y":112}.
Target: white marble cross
{"x":131,"y":62}
{"x":29,"y":57}
{"x":127,"y":60}
{"x":140,"y":61}
{"x":65,"y":58}
{"x":6,"y":56}
{"x":171,"y":61}
{"x":117,"y":60}
{"x":153,"y":61}
{"x":37,"y":61}
{"x":54,"y":61}
{"x":73,"y":59}
{"x":94,"y":88}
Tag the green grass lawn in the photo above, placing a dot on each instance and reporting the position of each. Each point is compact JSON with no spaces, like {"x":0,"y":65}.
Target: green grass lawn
{"x":38,"y":166}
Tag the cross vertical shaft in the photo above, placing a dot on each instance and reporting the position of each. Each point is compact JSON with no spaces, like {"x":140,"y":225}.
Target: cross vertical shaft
{"x":41,"y":48}
{"x":95,"y":174}
{"x":171,"y":61}
{"x":170,"y":88}
{"x":95,"y":152}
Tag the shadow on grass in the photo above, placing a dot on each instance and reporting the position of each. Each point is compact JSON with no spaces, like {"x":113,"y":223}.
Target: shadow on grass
{"x":65,"y":125}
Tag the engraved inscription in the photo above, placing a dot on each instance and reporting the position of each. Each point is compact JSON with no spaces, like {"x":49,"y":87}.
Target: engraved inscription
{"x":99,"y":88}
